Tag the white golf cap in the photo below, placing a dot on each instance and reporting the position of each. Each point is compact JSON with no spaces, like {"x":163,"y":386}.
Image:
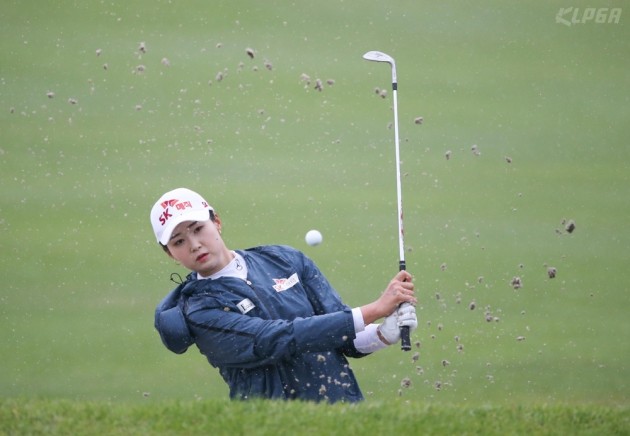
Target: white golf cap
{"x":175,"y":207}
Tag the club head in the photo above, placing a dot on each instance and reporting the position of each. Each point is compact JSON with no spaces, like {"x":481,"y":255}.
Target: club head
{"x":378,"y":56}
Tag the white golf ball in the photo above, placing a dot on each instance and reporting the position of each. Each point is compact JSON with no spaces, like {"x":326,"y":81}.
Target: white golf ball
{"x":313,"y":237}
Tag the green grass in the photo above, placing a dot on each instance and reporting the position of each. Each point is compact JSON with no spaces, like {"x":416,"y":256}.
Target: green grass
{"x":82,"y":273}
{"x":278,"y":418}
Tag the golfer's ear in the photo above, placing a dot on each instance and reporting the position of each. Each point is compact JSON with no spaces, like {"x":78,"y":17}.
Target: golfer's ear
{"x":217,"y":222}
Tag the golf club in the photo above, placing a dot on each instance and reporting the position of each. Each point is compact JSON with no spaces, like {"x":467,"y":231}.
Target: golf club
{"x":377,"y":56}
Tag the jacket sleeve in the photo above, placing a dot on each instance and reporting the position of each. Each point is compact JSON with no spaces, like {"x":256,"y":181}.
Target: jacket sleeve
{"x":324,"y":298}
{"x":228,"y":338}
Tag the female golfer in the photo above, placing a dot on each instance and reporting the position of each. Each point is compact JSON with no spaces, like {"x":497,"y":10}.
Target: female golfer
{"x":266,"y":317}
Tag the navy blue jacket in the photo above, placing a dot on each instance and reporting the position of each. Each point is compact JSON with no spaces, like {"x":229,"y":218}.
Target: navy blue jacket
{"x":284,"y":333}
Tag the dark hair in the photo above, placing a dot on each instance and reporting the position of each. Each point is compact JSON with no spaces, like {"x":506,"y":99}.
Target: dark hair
{"x":212,"y":217}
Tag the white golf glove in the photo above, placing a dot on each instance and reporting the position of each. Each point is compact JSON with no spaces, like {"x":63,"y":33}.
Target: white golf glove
{"x":403,"y":316}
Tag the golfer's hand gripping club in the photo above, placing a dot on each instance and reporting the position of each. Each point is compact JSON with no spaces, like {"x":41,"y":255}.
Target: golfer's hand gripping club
{"x":404,"y":315}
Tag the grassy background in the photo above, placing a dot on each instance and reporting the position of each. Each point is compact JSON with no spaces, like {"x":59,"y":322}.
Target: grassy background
{"x":52,"y":417}
{"x":82,"y":272}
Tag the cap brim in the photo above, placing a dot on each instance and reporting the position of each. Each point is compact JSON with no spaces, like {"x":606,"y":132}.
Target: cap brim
{"x":197,"y":215}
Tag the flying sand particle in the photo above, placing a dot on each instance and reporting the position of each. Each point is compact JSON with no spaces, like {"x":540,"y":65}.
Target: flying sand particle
{"x":418,"y":120}
{"x":250,"y":52}
{"x":551,"y":272}
{"x":516,"y":282}
{"x":305,"y":78}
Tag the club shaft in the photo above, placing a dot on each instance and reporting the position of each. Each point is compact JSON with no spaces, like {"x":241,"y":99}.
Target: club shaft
{"x":401,"y":230}
{"x":405,"y":340}
{"x":382,"y":57}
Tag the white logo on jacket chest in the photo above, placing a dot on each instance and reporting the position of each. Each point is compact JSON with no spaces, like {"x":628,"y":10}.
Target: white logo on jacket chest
{"x":284,"y":284}
{"x":245,"y":306}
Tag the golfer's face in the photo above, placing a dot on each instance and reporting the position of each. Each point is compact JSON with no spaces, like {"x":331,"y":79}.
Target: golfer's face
{"x":199,"y":247}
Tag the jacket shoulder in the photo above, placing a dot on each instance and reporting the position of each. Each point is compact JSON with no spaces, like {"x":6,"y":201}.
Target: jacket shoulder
{"x":170,"y":322}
